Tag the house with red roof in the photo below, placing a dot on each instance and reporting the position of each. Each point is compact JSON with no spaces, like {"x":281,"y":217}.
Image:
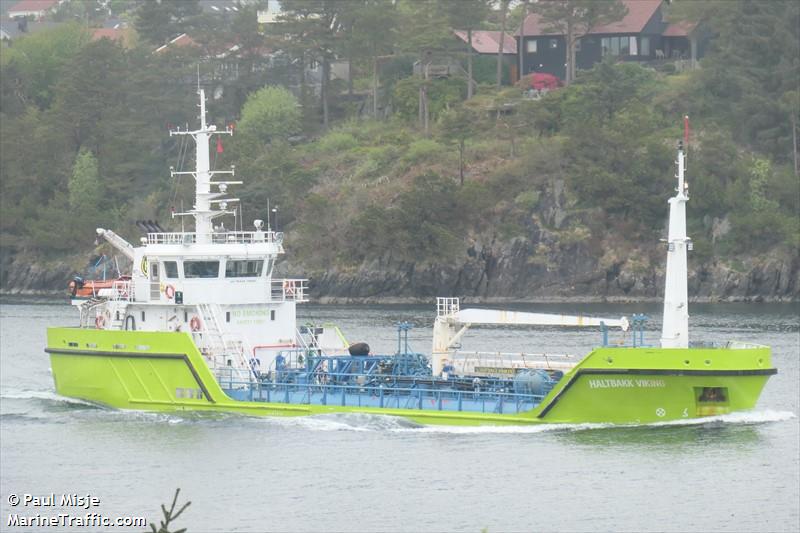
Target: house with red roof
{"x":488,"y":42}
{"x":33,"y":9}
{"x":643,"y":34}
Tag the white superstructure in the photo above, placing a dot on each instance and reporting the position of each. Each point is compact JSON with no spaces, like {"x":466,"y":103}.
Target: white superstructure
{"x":214,"y":283}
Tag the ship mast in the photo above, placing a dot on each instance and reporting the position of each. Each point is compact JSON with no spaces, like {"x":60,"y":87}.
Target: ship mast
{"x":205,"y":198}
{"x":675,"y":329}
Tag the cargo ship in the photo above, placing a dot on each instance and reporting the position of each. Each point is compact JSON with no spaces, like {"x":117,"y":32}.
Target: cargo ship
{"x":201,"y":324}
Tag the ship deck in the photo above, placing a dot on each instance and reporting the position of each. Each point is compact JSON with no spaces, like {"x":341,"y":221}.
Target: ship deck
{"x":387,"y":397}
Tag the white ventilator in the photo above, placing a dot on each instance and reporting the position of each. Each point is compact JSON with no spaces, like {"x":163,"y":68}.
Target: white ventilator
{"x":675,"y":329}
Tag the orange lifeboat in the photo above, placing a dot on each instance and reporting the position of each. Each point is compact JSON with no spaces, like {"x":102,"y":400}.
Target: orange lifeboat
{"x":81,"y":289}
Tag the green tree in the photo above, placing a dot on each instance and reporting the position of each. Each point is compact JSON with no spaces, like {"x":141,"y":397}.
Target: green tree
{"x":759,"y":180}
{"x":466,"y":15}
{"x":746,"y":74}
{"x":439,"y":95}
{"x":373,"y":35}
{"x":425,"y":33}
{"x":85,"y":188}
{"x":32,"y":67}
{"x":503,"y":13}
{"x":68,"y":221}
{"x":314,"y":30}
{"x":575,"y":18}
{"x":158,"y":22}
{"x":456,"y":127}
{"x":90,"y":90}
{"x":604,"y":91}
{"x":270,"y":114}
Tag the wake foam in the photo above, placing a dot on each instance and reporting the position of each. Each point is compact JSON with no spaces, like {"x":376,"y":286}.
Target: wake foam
{"x":347,"y":422}
{"x":739,"y":417}
{"x":383,"y":423}
{"x":362,"y":422}
{"x":42,"y":395}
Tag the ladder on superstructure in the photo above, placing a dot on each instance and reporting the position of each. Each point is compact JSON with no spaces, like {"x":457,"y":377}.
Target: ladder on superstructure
{"x":221,"y":343}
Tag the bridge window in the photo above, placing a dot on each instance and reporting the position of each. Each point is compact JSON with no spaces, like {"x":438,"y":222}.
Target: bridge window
{"x":171,"y":269}
{"x":201,"y":269}
{"x":244,"y":269}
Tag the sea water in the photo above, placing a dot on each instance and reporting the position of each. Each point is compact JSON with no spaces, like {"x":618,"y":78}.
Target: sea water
{"x":738,"y":472}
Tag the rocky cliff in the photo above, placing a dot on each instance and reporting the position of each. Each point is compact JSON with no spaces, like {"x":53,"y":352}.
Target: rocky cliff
{"x":522,"y":269}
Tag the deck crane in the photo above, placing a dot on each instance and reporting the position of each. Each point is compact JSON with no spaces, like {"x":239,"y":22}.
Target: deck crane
{"x":117,"y":242}
{"x":452,"y":322}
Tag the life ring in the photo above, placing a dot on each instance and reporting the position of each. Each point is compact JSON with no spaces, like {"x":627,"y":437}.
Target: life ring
{"x":169,"y":292}
{"x":288,"y":287}
{"x":100,"y":322}
{"x":195,"y":323}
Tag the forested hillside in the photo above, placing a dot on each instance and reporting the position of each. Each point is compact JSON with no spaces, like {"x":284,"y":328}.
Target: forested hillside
{"x":489,"y":195}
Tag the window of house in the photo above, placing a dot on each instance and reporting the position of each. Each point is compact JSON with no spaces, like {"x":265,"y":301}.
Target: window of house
{"x":244,"y":268}
{"x":644,"y":49}
{"x":201,"y":269}
{"x":531,"y":46}
{"x":578,"y":45}
{"x":553,"y":43}
{"x":171,"y":269}
{"x":624,"y":46}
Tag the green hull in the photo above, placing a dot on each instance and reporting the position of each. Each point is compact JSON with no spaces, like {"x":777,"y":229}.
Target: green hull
{"x":146,"y":370}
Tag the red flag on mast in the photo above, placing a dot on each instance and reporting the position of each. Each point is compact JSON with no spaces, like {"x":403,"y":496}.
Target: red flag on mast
{"x":686,"y":130}
{"x":219,"y":145}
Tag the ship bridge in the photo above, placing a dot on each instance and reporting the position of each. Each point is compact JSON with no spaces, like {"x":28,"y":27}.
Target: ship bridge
{"x":224,"y":267}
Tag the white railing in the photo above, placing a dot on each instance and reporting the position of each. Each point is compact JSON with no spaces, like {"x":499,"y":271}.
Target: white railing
{"x":289,"y":290}
{"x":120,"y":291}
{"x":228,"y":351}
{"x":502,"y":362}
{"x":740,"y":345}
{"x":447,"y":307}
{"x":232,"y":237}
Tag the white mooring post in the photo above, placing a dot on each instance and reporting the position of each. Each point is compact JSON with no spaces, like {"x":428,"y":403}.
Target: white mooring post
{"x":675,"y":331}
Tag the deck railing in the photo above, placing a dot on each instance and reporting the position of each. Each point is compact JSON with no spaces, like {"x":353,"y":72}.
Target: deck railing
{"x":122,"y":291}
{"x":225,"y":237}
{"x":383,"y":397}
{"x":289,"y":290}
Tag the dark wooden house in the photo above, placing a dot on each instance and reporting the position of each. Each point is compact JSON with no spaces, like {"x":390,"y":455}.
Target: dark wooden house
{"x":642,"y":35}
